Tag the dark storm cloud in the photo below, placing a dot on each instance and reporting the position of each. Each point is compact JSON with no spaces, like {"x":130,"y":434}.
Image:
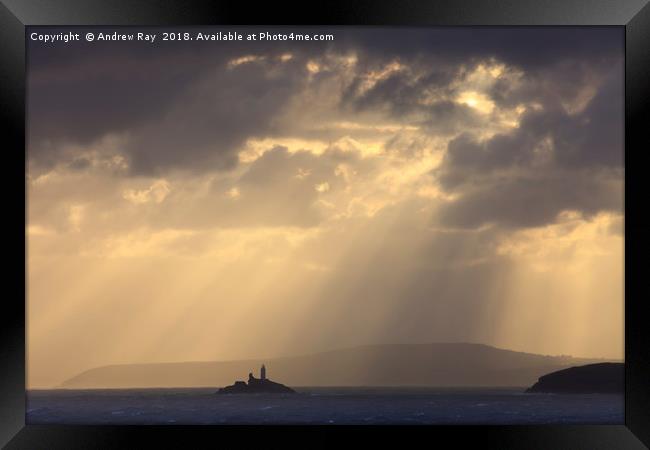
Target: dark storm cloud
{"x":447,"y":117}
{"x":599,"y":141}
{"x":527,"y":48}
{"x":553,"y":161}
{"x":214,"y":118}
{"x":401,"y":95}
{"x":561,"y":57}
{"x":182,"y":108}
{"x":551,"y":84}
{"x":80,"y":163}
{"x":467,"y":159}
{"x":88,"y":93}
{"x":529,"y":202}
{"x":401,"y":92}
{"x":591,"y":137}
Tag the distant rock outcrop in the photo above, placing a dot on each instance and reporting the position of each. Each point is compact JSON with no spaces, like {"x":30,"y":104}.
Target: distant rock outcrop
{"x":260,"y":385}
{"x":603,"y":378}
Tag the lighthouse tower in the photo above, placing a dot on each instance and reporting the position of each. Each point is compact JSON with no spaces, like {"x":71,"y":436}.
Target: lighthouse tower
{"x":263,"y":372}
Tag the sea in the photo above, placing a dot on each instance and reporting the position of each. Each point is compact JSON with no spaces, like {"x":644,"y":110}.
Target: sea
{"x":321,"y":406}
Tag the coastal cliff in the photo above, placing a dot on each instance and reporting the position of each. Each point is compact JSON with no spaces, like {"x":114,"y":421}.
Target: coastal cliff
{"x":603,"y":378}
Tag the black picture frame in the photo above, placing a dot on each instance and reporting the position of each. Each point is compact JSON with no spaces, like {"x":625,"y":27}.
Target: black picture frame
{"x":634,"y":15}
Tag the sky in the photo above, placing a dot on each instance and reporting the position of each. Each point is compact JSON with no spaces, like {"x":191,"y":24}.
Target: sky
{"x":196,"y":201}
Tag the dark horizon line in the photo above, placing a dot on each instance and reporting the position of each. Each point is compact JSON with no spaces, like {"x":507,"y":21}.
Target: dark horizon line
{"x":317,"y":386}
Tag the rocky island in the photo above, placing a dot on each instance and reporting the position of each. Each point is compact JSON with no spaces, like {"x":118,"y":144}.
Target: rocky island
{"x":602,"y":378}
{"x":261,"y":385}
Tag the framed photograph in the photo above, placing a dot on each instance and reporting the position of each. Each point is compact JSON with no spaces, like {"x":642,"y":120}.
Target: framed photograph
{"x":266,"y":226}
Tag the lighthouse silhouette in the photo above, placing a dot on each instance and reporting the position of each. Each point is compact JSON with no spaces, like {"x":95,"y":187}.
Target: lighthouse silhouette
{"x":263,"y":373}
